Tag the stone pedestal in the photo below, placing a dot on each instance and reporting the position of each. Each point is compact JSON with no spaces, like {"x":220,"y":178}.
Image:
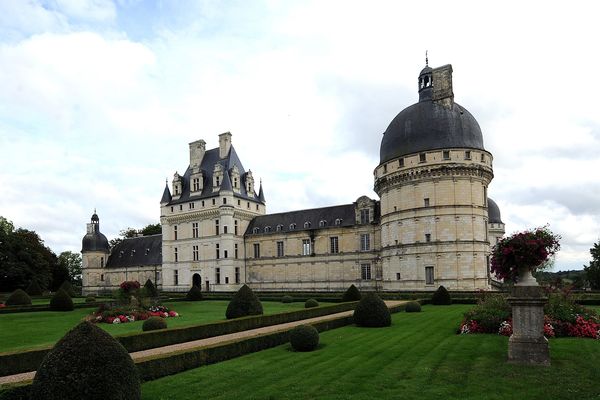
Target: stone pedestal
{"x":527,"y":344}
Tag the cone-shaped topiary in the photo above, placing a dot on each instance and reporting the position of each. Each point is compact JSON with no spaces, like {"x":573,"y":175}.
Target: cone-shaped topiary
{"x":67,"y":287}
{"x":371,"y":311}
{"x":441,"y":297}
{"x":194,"y":294}
{"x":304,"y":338}
{"x":151,"y":290}
{"x":287,"y":299}
{"x":244,"y":303}
{"x":412,"y":306}
{"x":87,"y":363}
{"x":310,"y":303}
{"x":351,"y":294}
{"x":18,"y":298}
{"x":34,"y":289}
{"x":154,"y":323}
{"x":61,"y":301}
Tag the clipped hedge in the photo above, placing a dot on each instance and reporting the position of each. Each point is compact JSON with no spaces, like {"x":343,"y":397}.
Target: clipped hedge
{"x":151,"y":289}
{"x":194,"y":294}
{"x":372,"y":312}
{"x":287,"y":299}
{"x":243,"y":303}
{"x":154,"y":324}
{"x":18,"y":298}
{"x":413,"y":306}
{"x":61,"y":301}
{"x":311,"y":303}
{"x":441,"y":297}
{"x":352,"y":294}
{"x":304,"y":338}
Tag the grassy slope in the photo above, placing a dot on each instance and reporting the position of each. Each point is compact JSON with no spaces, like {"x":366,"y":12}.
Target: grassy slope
{"x":26,"y":330}
{"x":419,"y":357}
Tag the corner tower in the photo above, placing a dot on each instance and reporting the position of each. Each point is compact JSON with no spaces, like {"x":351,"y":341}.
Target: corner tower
{"x":432,"y":180}
{"x":94,"y":254}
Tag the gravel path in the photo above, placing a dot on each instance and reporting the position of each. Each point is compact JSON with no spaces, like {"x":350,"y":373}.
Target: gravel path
{"x":207,"y":342}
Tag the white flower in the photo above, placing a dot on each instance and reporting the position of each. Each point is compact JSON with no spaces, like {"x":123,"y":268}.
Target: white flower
{"x":116,"y":321}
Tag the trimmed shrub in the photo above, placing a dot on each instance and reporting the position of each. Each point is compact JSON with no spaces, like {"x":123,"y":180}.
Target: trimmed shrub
{"x":287,"y":299}
{"x":34,"y":289}
{"x":352,"y":294}
{"x":90,"y":298}
{"x":441,"y":297}
{"x":87,"y":363}
{"x":18,"y":298}
{"x":151,"y":290}
{"x":67,"y":287}
{"x":194,"y":294}
{"x":61,"y":301}
{"x":413,"y":306}
{"x":372,"y":312}
{"x":244,"y":303}
{"x":154,"y":323}
{"x":310,"y":303}
{"x":304,"y":338}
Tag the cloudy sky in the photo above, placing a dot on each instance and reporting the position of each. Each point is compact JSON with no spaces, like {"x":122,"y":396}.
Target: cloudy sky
{"x":99,"y":100}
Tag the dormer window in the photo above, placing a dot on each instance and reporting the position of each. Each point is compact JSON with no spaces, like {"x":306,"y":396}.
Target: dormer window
{"x":365,"y":216}
{"x":401,"y":162}
{"x":467,"y":155}
{"x":338,"y":221}
{"x":322,"y":223}
{"x":267,"y":229}
{"x":218,"y":180}
{"x":422,"y":157}
{"x":255,"y":230}
{"x":292,"y":227}
{"x":306,"y":225}
{"x":446,"y":154}
{"x":279,"y":228}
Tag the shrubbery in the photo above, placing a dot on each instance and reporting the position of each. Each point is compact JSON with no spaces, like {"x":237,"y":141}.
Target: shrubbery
{"x":491,"y":310}
{"x":351,"y":294}
{"x":310,"y":303}
{"x":18,"y":298}
{"x":304,"y":338}
{"x":34,"y":289}
{"x":67,"y":287}
{"x":90,"y":298}
{"x":151,"y":290}
{"x":87,"y":363}
{"x":154,"y":323}
{"x":413,"y":306}
{"x":61,"y":301}
{"x":371,"y":311}
{"x":244,"y":303}
{"x":194,"y":294}
{"x":287,"y":299}
{"x":441,"y":297}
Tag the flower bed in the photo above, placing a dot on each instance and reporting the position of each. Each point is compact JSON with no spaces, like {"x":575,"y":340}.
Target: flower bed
{"x":121,"y":316}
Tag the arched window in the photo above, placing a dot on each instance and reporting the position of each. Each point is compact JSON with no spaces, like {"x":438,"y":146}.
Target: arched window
{"x":292,"y":227}
{"x":338,"y":221}
{"x":306,"y":225}
{"x":322,"y":223}
{"x":279,"y":228}
{"x":267,"y":229}
{"x":255,"y":230}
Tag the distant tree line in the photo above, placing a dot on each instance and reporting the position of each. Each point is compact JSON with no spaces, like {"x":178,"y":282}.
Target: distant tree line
{"x":150,"y":229}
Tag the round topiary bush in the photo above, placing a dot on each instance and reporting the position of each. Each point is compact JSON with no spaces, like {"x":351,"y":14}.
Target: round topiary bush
{"x":194,"y":294}
{"x":151,"y":289}
{"x":90,"y":298}
{"x":304,"y":338}
{"x":61,"y":301}
{"x":87,"y":363}
{"x":372,"y":312}
{"x":67,"y":287}
{"x":244,"y":303}
{"x":154,"y":323}
{"x":287,"y":299}
{"x":441,"y":297}
{"x":18,"y":298}
{"x":34,"y":289}
{"x":413,"y":306}
{"x":352,"y":294}
{"x":311,"y":303}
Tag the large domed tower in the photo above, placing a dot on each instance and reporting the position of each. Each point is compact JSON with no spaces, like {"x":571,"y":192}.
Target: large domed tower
{"x":432,"y":180}
{"x":94,"y":254}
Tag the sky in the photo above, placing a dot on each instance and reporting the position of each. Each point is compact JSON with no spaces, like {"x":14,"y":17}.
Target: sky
{"x":100,"y":98}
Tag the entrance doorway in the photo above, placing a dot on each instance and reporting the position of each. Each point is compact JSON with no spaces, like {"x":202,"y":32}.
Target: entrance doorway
{"x":196,"y":280}
{"x":207,"y":286}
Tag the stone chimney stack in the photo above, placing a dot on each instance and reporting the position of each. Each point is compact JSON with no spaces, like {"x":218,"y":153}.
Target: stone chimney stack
{"x":442,"y":85}
{"x":197,"y":150}
{"x":224,"y":144}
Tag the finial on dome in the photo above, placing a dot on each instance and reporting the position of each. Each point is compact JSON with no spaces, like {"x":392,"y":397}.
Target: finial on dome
{"x":426,"y":59}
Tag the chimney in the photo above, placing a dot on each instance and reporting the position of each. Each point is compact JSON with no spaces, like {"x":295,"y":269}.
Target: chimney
{"x":442,"y":85}
{"x":197,"y":150}
{"x":224,"y":144}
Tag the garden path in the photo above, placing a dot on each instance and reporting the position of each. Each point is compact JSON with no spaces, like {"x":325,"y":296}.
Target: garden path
{"x":210,"y":341}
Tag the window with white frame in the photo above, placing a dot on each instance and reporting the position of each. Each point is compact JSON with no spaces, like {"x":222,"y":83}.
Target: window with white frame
{"x":306,"y":247}
{"x":175,"y":277}
{"x":280,"y":249}
{"x":334,"y":245}
{"x":194,"y":229}
{"x":429,"y":275}
{"x":364,"y":216}
{"x":365,"y":272}
{"x":195,"y":253}
{"x":256,"y":250}
{"x":365,"y":242}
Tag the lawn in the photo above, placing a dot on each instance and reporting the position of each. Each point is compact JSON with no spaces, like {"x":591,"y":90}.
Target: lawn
{"x":20,"y":331}
{"x":419,"y":357}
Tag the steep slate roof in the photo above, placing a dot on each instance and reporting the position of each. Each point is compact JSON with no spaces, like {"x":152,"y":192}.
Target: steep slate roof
{"x":166,"y":197}
{"x":211,"y":157}
{"x":314,"y":216}
{"x":494,"y":212}
{"x":131,"y":252}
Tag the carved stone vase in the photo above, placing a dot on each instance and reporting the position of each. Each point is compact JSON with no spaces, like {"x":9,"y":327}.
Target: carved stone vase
{"x":527,"y":345}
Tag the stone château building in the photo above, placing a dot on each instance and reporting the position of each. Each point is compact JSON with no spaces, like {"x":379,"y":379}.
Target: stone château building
{"x":432,"y":225}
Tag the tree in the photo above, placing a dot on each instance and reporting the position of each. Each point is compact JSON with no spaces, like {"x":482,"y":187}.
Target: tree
{"x":150,"y":229}
{"x":592,"y":271}
{"x":72,"y":263}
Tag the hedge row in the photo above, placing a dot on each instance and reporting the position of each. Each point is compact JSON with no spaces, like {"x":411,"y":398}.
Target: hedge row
{"x":44,"y":307}
{"x":18,"y":362}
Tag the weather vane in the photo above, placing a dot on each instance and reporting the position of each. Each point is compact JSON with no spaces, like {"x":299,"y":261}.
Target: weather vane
{"x":426,"y":59}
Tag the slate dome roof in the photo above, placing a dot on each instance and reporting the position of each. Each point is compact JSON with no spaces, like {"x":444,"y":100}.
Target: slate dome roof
{"x":94,"y":242}
{"x":493,"y":212}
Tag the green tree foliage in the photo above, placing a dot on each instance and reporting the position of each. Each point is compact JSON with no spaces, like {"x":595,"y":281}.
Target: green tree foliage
{"x":68,"y":288}
{"x":244,"y":303}
{"x":154,"y":323}
{"x":87,"y":363}
{"x":61,"y":301}
{"x":18,"y":298}
{"x":72,"y":263}
{"x":372,"y":312}
{"x":150,"y":229}
{"x":151,"y":290}
{"x":592,"y":271}
{"x":34,"y":289}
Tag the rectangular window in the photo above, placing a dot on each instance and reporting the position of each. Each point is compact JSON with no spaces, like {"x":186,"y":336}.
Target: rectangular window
{"x":224,"y":229}
{"x":235,"y":249}
{"x":237,"y":274}
{"x":364,"y":216}
{"x":235,"y":227}
{"x":306,"y":247}
{"x":216,"y":226}
{"x":175,"y":255}
{"x":422,"y":157}
{"x":196,"y":184}
{"x":102,"y":277}
{"x":333,"y":245}
{"x":365,"y":242}
{"x":426,"y":201}
{"x":384,"y":168}
{"x":365,"y":272}
{"x":191,"y":206}
{"x":397,"y":276}
{"x":224,"y":200}
{"x":181,"y":207}
{"x":256,"y":250}
{"x":482,"y":157}
{"x":175,"y":277}
{"x":225,"y":254}
{"x":428,"y":237}
{"x":218,"y":251}
{"x":467,"y":155}
{"x":171,"y":208}
{"x":175,"y":232}
{"x":429,"y":275}
{"x":226,"y":280}
{"x":279,"y":249}
{"x":239,"y":202}
{"x":248,"y":204}
{"x":194,"y":229}
{"x":202,"y":203}
{"x":446,"y":155}
{"x":401,"y":162}
{"x":214,"y":201}
{"x":101,"y":262}
{"x":195,"y":253}
{"x":218,"y":275}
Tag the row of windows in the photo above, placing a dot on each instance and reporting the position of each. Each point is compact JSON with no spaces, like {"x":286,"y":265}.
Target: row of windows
{"x":293,"y":226}
{"x":307,"y":246}
{"x":217,"y":276}
{"x":192,"y":205}
{"x":196,"y":253}
{"x":196,"y":231}
{"x":445,"y":156}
